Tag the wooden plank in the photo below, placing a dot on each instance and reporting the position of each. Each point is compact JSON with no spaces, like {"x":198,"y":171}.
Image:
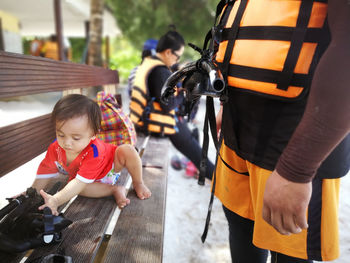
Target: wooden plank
{"x":138,"y":235}
{"x":154,"y":155}
{"x":24,"y":75}
{"x":21,"y":142}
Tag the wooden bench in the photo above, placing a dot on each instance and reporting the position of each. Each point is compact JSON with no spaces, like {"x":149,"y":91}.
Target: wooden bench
{"x":93,"y":236}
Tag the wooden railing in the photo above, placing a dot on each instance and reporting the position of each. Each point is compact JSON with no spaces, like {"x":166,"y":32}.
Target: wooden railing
{"x":26,"y":75}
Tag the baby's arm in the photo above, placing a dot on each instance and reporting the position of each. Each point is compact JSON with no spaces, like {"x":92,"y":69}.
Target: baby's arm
{"x":72,"y":189}
{"x":41,"y":183}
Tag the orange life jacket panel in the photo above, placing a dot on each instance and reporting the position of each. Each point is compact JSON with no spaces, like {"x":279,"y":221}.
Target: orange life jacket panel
{"x":145,"y":112}
{"x":50,"y":50}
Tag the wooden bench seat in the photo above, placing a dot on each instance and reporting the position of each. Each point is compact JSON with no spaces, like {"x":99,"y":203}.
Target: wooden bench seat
{"x":138,"y":235}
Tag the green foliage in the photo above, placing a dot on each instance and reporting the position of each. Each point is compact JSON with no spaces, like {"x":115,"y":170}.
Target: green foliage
{"x":77,"y":45}
{"x":143,"y":19}
{"x":124,"y":57}
{"x":26,"y":45}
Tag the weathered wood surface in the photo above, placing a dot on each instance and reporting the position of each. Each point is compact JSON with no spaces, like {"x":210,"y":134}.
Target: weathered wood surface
{"x":156,"y":154}
{"x":138,"y":235}
{"x":83,"y":237}
{"x":21,"y":142}
{"x":24,"y":75}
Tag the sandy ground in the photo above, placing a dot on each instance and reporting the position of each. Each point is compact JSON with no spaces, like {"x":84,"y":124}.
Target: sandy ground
{"x":187,"y":202}
{"x":187,"y":205}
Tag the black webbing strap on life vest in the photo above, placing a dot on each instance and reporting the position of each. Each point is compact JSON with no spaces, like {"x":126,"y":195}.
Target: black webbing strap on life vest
{"x":231,"y":42}
{"x":296,"y":44}
{"x":214,"y":34}
{"x":271,"y":33}
{"x":205,"y":146}
{"x":49,"y":228}
{"x":211,"y":36}
{"x":209,"y":120}
{"x":210,"y":117}
{"x":146,"y":114}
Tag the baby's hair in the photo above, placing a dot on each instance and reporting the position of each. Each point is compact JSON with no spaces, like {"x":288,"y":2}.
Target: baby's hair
{"x":76,"y":105}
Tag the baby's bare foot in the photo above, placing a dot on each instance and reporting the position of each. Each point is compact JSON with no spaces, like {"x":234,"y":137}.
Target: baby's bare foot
{"x":142,"y":191}
{"x":120,"y":196}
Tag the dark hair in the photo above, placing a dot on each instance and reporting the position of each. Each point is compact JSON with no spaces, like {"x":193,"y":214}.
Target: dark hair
{"x":146,"y":53}
{"x":172,"y":39}
{"x":76,"y":105}
{"x":53,"y":38}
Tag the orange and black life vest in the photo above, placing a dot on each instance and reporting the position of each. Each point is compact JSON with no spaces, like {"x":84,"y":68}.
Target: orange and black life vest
{"x":50,"y":50}
{"x":145,"y":112}
{"x":271,"y":47}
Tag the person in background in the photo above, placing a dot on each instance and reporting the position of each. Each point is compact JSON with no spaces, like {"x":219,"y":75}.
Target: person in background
{"x":50,"y":48}
{"x":92,"y":166}
{"x":35,"y":47}
{"x":189,"y":120}
{"x":149,"y":49}
{"x":149,"y":114}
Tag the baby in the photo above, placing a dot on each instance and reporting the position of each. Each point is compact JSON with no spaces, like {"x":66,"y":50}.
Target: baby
{"x":91,"y":164}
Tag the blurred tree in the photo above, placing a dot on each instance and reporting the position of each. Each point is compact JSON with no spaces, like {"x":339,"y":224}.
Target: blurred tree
{"x":143,"y":19}
{"x":95,"y":34}
{"x":124,"y":57}
{"x":78,"y":45}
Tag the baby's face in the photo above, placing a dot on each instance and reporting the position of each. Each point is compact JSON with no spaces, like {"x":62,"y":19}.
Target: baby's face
{"x":74,"y":135}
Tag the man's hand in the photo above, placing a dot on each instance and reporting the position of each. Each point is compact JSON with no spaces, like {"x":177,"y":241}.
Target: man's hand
{"x":50,"y":202}
{"x":285,"y":204}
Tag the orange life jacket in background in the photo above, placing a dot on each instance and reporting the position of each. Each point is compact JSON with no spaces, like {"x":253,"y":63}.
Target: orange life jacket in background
{"x":145,"y":112}
{"x":272,"y":47}
{"x":50,"y":50}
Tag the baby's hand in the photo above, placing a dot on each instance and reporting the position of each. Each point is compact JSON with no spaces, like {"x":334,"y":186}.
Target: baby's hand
{"x":17,"y":195}
{"x":50,"y":202}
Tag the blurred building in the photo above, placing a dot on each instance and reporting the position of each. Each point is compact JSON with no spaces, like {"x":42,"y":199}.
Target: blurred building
{"x":36,"y":18}
{"x":10,"y":39}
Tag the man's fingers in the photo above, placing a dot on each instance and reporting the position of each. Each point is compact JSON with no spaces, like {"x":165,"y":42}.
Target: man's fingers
{"x":266,"y":214}
{"x":277,"y":223}
{"x":289,"y":224}
{"x":300,"y":220}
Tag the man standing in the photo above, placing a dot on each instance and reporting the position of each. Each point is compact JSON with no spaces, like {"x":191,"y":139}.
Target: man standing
{"x":285,"y":127}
